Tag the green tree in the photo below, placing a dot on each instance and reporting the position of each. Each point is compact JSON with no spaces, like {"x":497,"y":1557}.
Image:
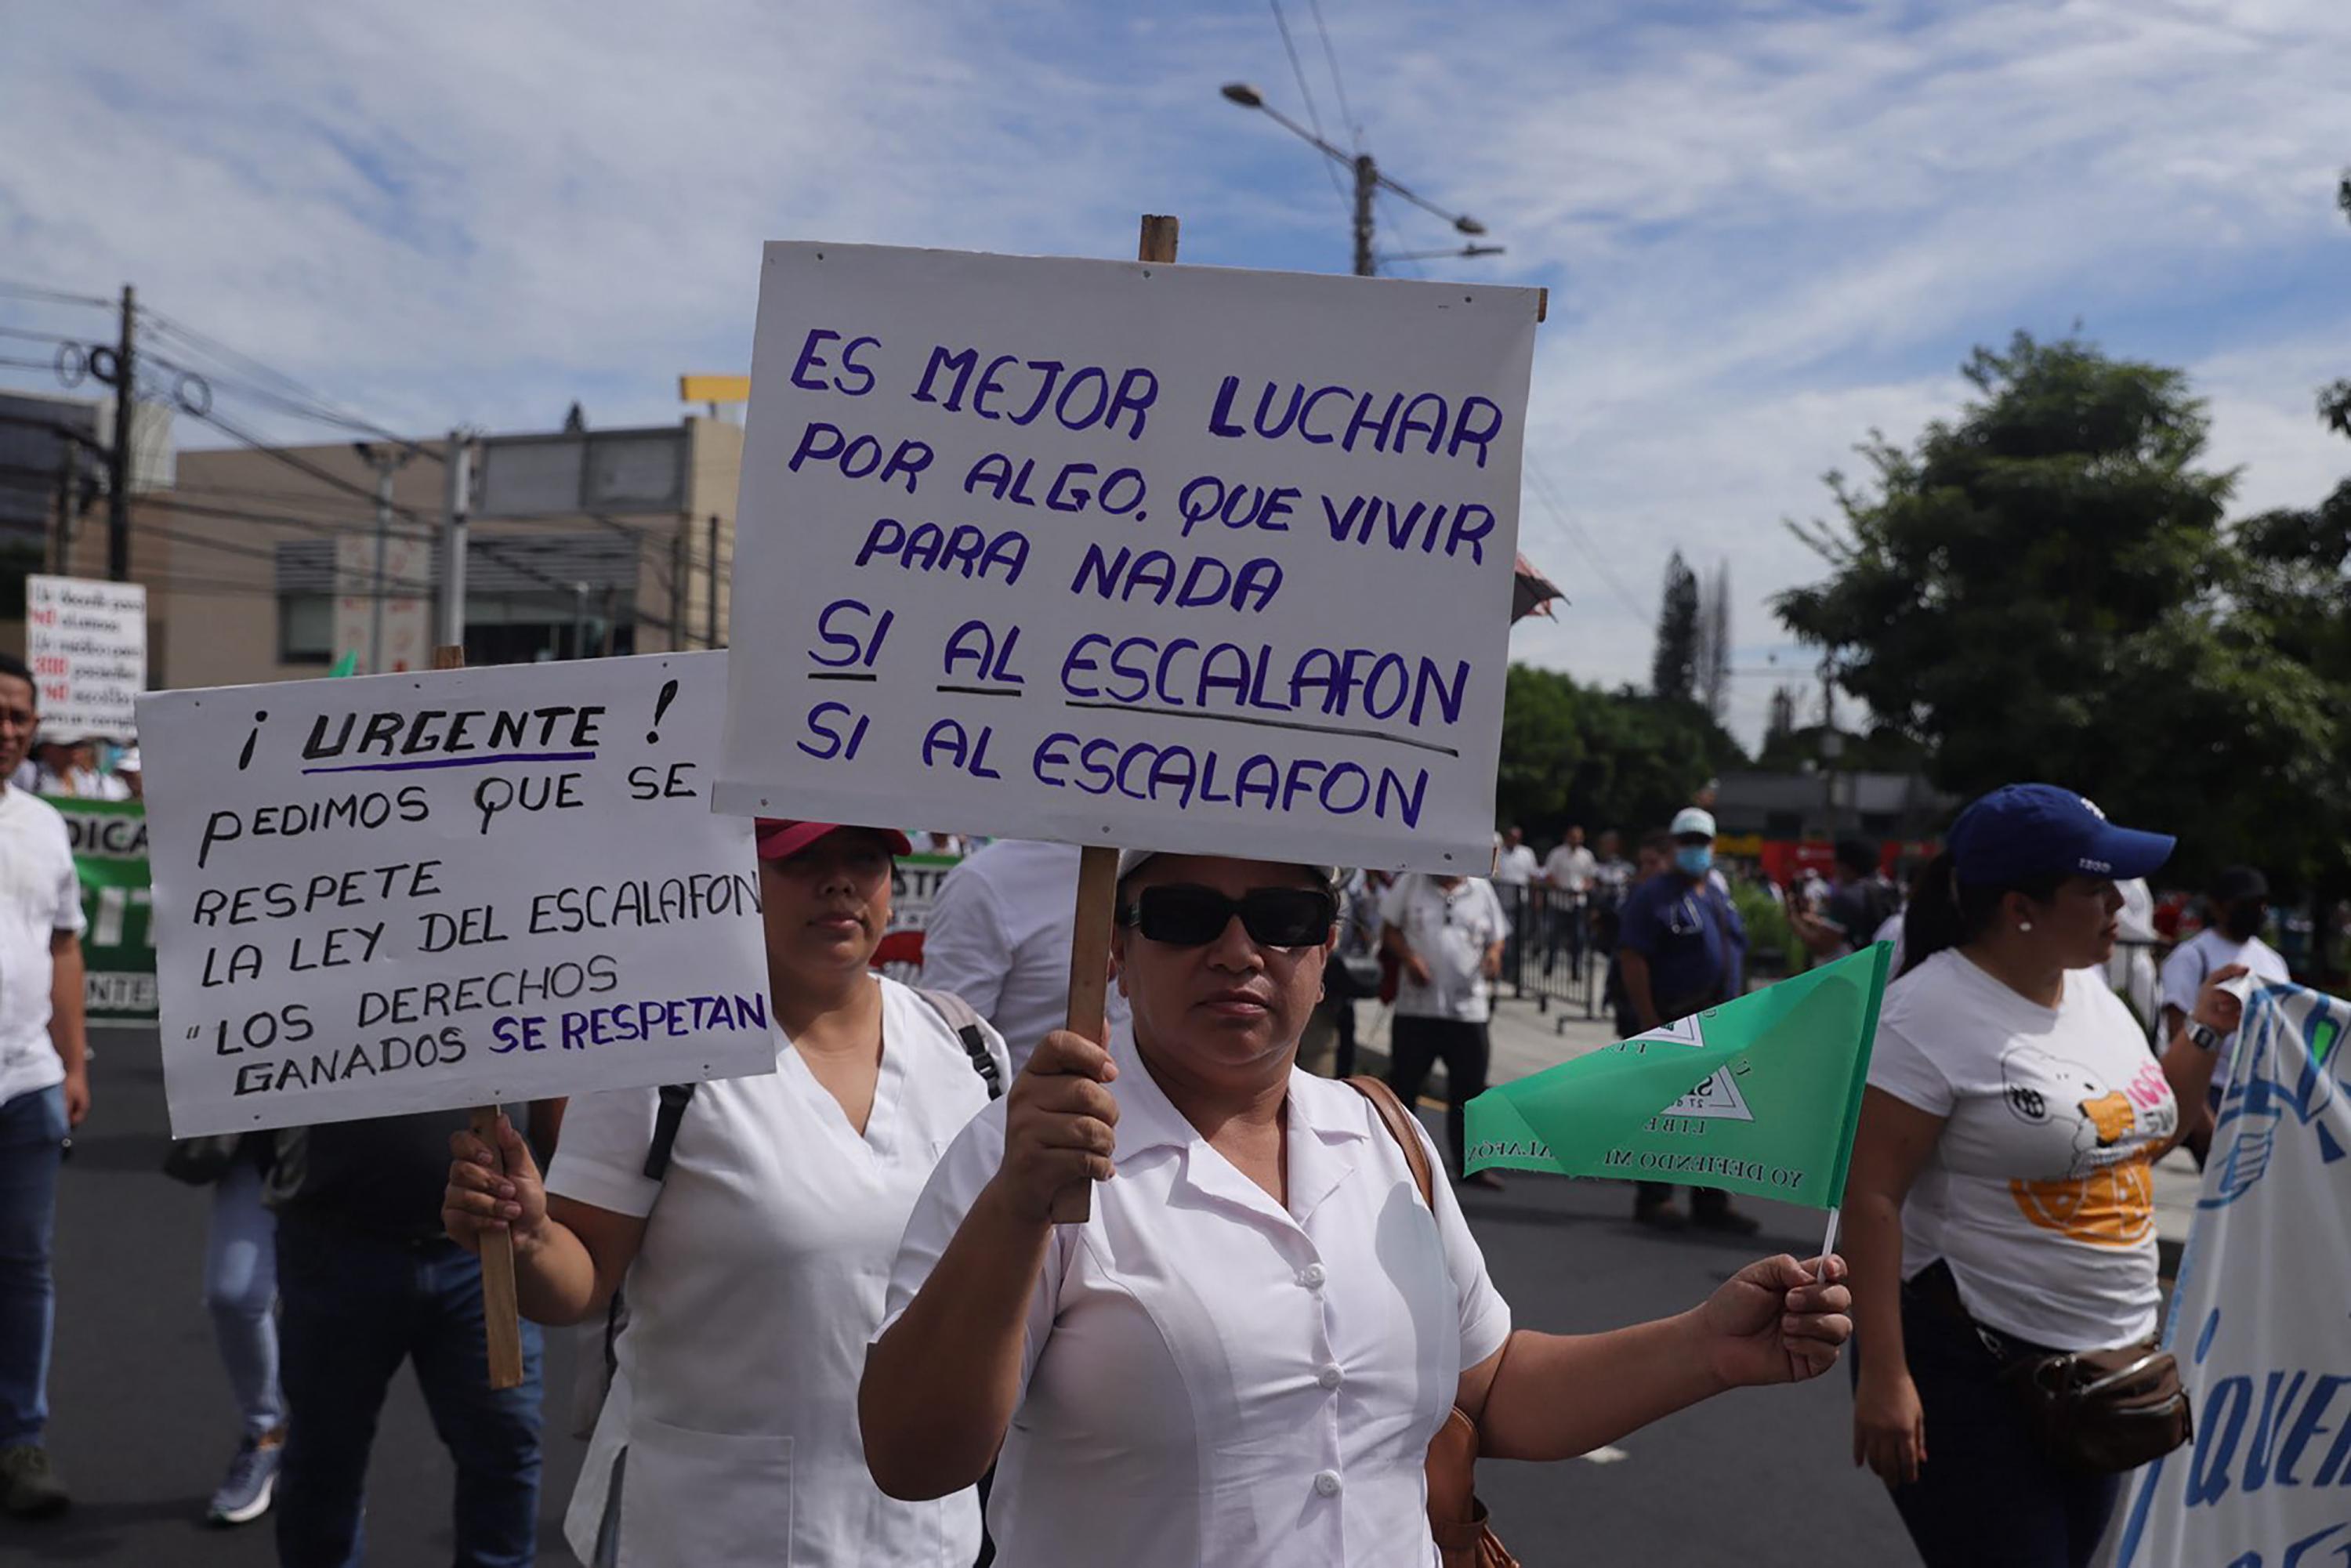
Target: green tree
{"x":1622,"y":759}
{"x":1674,"y":670}
{"x":2043,"y":590}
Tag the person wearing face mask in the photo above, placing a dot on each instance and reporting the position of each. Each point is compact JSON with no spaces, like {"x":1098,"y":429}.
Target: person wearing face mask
{"x":1681,"y":949}
{"x":755,"y":1228}
{"x":2236,"y":910}
{"x":2000,"y":1204}
{"x":1242,"y":1355}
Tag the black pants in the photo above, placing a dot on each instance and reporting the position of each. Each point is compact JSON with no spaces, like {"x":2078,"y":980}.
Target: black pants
{"x":1649,"y":1193}
{"x":1416,"y":1044}
{"x":1985,"y":1494}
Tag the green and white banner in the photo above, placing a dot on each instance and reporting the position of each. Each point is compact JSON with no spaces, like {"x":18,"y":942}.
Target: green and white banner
{"x":1759,"y":1095}
{"x":110,"y":846}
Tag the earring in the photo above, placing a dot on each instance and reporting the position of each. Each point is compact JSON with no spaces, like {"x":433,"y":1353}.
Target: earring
{"x":2024,"y":925}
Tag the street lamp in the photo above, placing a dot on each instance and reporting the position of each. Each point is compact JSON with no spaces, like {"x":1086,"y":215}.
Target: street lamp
{"x":1369,"y":181}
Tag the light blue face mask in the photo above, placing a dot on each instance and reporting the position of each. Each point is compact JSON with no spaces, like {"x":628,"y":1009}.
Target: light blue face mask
{"x":1693,"y":860}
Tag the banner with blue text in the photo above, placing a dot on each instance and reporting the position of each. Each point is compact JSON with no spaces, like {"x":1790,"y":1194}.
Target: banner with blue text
{"x":2257,"y":1320}
{"x":1124,"y":553}
{"x":464,"y":887}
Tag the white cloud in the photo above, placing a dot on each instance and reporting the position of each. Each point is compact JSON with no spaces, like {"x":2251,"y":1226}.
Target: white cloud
{"x":1767,"y":229}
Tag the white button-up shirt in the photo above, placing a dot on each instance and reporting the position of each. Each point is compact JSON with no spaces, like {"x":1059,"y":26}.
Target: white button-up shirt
{"x":40,"y":895}
{"x":1211,"y":1378}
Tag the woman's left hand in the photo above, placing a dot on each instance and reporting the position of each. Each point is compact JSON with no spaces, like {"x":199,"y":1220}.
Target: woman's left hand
{"x":1770,"y":1322}
{"x":2218,"y":1009}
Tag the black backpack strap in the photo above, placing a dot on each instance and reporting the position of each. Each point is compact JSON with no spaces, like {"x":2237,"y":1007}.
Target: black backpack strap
{"x":674,"y":1098}
{"x":958,"y":1016}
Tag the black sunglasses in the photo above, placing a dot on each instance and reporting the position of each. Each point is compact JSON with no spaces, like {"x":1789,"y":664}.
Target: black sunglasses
{"x":1183,"y":915}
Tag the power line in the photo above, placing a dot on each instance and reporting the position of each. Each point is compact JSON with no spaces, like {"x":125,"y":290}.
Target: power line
{"x":293,"y":394}
{"x":1549,"y":495}
{"x":1313,"y":118}
{"x":52,"y":295}
{"x":1338,"y":82}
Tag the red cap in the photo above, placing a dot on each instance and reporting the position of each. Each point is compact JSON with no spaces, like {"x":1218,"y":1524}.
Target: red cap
{"x":780,"y":837}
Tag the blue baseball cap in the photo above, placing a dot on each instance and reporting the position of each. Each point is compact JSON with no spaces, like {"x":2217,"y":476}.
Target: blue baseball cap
{"x":2021,"y":831}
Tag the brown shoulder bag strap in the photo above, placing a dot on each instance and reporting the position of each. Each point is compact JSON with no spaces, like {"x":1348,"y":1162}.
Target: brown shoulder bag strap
{"x":1398,"y":1122}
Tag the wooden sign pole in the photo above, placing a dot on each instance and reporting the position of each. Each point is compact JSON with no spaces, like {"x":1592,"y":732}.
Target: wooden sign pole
{"x":1098,"y":866}
{"x":501,"y":1307}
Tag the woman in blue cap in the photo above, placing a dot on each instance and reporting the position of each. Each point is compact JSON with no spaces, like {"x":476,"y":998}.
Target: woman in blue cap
{"x":2001,"y":1205}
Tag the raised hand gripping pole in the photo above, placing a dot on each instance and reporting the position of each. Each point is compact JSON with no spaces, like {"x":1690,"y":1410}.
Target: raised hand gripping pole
{"x":501,"y":1309}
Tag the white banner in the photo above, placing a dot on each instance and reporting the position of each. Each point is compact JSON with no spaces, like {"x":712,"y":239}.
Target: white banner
{"x":87,"y":643}
{"x":411,"y":892}
{"x":2258,"y":1321}
{"x":1123,"y":553}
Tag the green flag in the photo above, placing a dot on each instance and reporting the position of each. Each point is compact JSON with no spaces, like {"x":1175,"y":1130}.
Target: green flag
{"x":347,"y":664}
{"x":1759,"y":1095}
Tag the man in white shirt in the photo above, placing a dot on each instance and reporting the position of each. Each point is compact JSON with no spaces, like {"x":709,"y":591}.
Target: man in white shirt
{"x":1446,"y":932}
{"x":1000,"y":935}
{"x":1568,"y":871}
{"x":1516,"y":865}
{"x":2236,"y":910}
{"x":43,"y":1093}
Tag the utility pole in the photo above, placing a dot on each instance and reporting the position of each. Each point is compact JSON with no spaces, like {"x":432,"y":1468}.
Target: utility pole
{"x":1367,"y":184}
{"x":456,"y":501}
{"x":710,"y":611}
{"x":386,"y":461}
{"x":118,"y":456}
{"x":680,"y":598}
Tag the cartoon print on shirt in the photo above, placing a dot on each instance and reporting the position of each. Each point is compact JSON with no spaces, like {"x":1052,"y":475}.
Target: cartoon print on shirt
{"x":2103,"y":1194}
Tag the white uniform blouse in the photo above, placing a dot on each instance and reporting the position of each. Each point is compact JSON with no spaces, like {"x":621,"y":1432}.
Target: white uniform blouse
{"x":1209,"y":1378}
{"x":761,"y":1278}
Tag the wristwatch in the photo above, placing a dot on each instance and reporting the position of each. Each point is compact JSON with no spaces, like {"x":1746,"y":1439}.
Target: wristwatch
{"x":2203,"y":1037}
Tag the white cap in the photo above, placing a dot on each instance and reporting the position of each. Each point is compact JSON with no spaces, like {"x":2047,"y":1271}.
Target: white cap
{"x":1691,"y":821}
{"x":128,"y":762}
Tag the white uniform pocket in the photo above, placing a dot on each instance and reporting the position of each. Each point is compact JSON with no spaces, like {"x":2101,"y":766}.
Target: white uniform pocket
{"x":692,"y":1498}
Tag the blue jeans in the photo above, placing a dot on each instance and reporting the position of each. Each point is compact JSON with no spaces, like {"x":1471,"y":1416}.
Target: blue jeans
{"x":32,"y":1136}
{"x":356,"y":1306}
{"x":241,"y":1293}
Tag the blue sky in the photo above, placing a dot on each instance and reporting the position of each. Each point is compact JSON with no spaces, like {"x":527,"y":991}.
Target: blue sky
{"x":1768,"y":228}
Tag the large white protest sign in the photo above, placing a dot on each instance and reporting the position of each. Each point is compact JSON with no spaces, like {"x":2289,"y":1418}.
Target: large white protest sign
{"x":465,"y":887}
{"x":1126,"y":553}
{"x":87,"y":643}
{"x":2259,"y":1321}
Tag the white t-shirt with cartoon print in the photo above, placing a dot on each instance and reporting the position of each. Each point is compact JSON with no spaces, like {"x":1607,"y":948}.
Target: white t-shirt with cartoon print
{"x":2039,"y":1193}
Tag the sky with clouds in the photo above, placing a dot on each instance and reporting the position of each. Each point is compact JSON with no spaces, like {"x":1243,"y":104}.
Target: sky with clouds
{"x":1768,"y":228}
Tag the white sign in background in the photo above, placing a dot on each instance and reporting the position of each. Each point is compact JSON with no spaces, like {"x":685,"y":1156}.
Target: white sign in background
{"x":87,"y":643}
{"x":413,"y":893}
{"x":2257,"y":1319}
{"x":1123,"y":553}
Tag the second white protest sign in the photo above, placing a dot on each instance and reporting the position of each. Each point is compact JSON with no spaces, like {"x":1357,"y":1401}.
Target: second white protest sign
{"x":420,"y":892}
{"x":1128,"y":553}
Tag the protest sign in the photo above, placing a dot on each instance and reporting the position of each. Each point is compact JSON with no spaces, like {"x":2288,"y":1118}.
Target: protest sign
{"x":118,"y":942}
{"x":409,"y":893}
{"x":2257,"y":1318}
{"x":1759,"y":1095}
{"x":87,"y":643}
{"x":1128,"y":553}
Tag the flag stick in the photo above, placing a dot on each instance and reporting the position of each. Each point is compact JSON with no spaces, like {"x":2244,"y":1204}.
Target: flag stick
{"x":1828,"y":1244}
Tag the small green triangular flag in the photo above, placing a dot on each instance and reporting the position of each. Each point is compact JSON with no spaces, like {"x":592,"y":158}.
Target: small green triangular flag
{"x":1759,"y":1095}
{"x":346,"y":665}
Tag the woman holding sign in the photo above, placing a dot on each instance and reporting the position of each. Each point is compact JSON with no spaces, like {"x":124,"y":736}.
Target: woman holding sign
{"x":755,"y":1223}
{"x":2001,"y":1209}
{"x":1243,"y":1354}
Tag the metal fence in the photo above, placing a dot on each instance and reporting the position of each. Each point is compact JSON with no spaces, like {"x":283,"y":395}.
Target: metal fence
{"x":1556,"y":955}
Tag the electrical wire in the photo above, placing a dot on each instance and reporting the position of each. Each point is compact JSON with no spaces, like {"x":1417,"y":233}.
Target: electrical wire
{"x":293,"y":394}
{"x":52,"y":295}
{"x":1314,"y":117}
{"x":1338,"y":82}
{"x":1547,"y":494}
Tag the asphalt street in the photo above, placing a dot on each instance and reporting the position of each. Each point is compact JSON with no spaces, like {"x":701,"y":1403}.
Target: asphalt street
{"x":143,"y":1422}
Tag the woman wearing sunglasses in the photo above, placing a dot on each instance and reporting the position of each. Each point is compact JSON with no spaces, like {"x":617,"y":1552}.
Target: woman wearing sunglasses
{"x":755,"y":1224}
{"x":1243,"y":1356}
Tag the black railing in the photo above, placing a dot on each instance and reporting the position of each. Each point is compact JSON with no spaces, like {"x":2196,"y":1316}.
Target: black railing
{"x":1556,"y":953}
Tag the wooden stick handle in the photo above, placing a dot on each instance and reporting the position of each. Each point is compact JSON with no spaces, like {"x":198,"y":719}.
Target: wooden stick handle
{"x":501,"y":1307}
{"x":1089,"y":986}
